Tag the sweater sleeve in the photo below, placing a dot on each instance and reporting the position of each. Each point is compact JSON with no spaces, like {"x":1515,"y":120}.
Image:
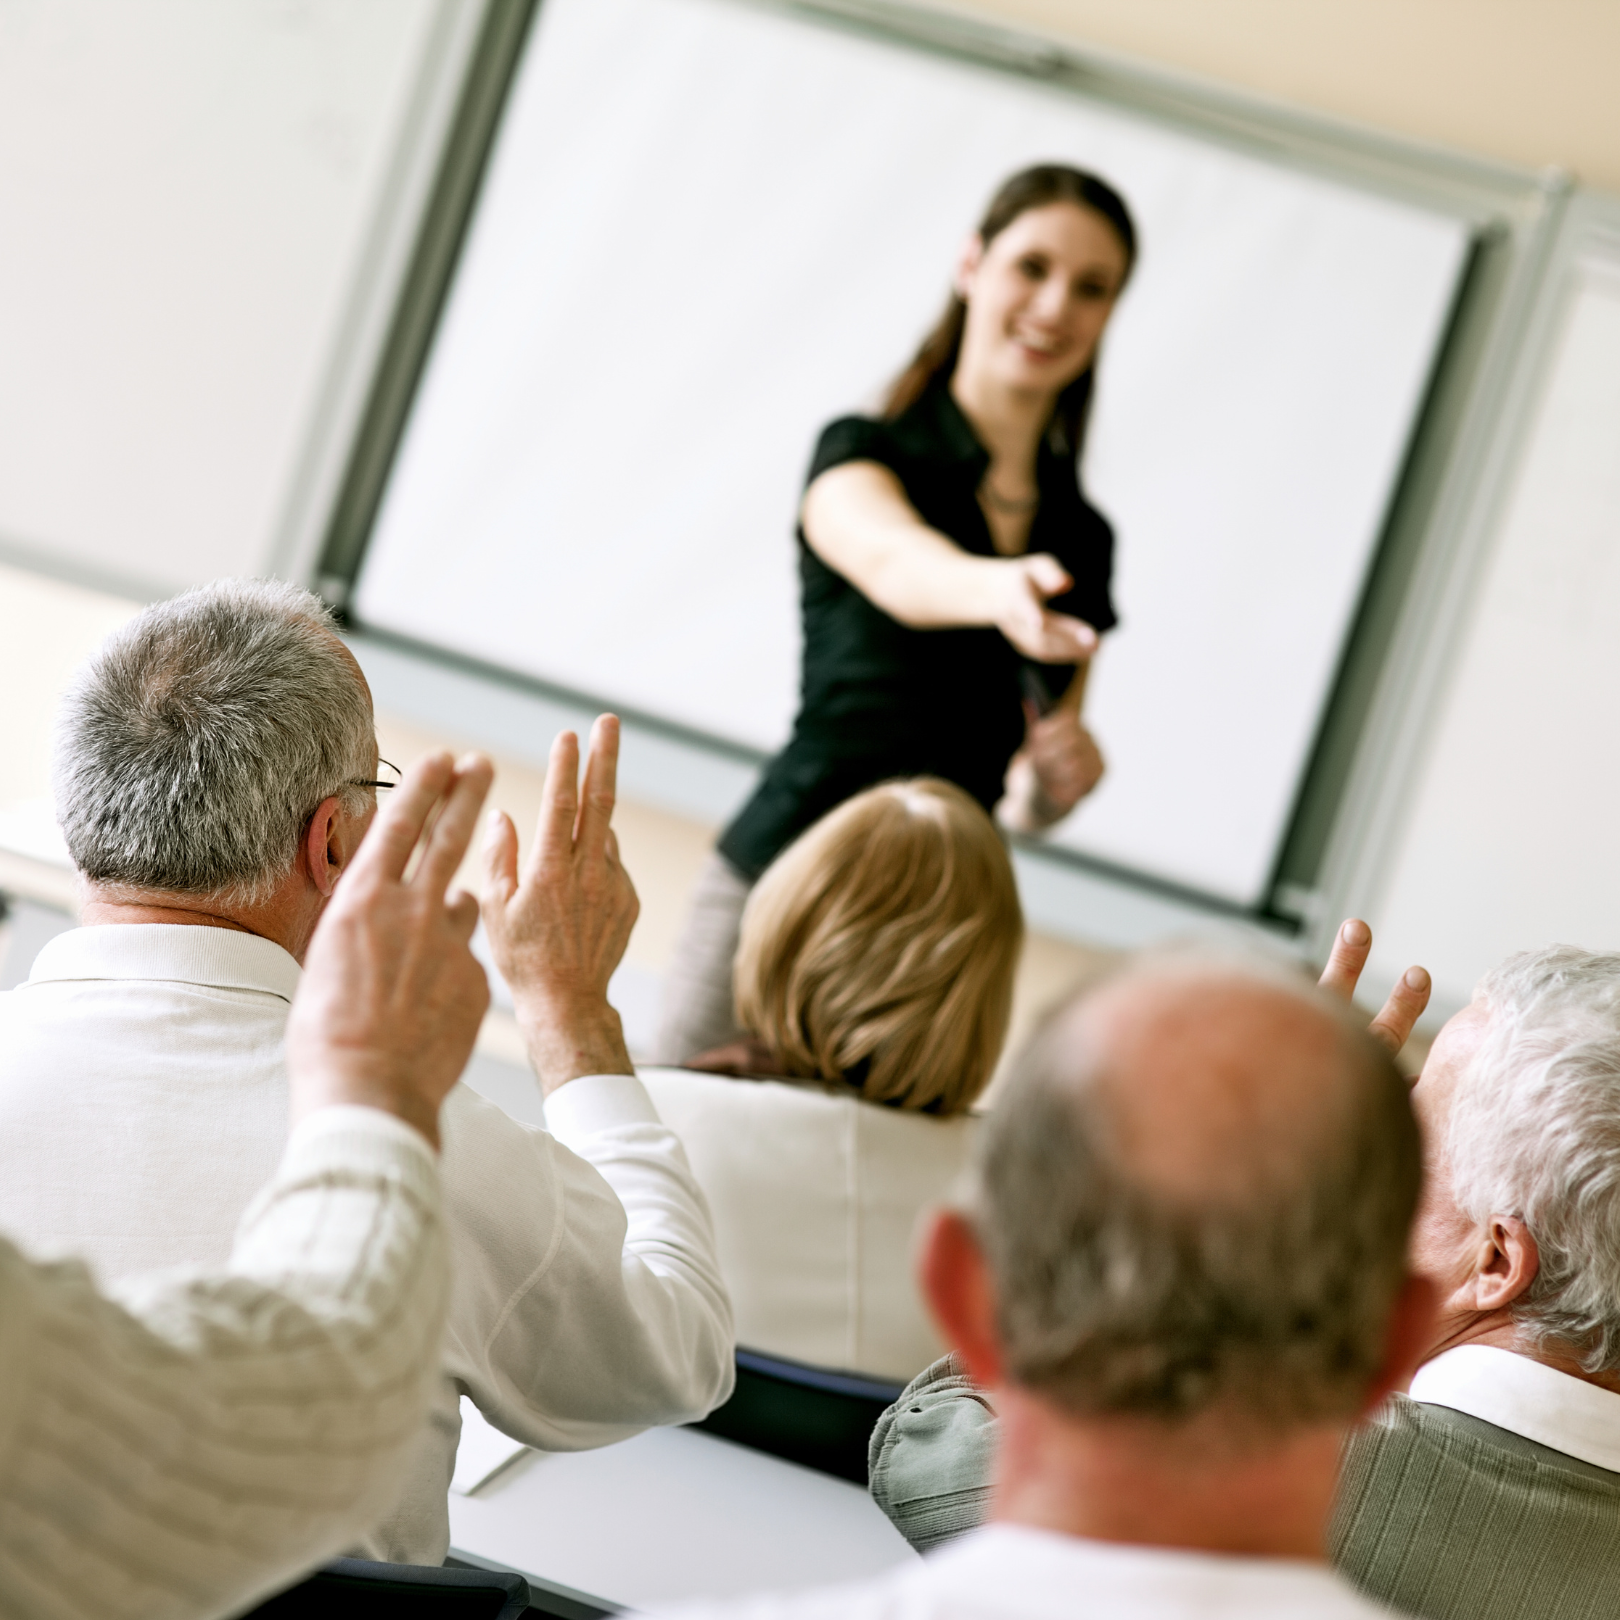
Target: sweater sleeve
{"x":201,"y":1440}
{"x":588,"y":1299}
{"x":932,"y":1455}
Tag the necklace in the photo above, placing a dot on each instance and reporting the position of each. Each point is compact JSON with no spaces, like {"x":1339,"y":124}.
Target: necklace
{"x":1011,"y":507}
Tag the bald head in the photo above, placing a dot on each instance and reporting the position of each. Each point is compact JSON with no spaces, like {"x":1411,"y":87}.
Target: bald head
{"x":1212,"y":1084}
{"x":1197,"y":1190}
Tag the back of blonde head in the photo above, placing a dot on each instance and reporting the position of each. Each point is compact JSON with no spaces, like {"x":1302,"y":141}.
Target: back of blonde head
{"x":886,"y":936}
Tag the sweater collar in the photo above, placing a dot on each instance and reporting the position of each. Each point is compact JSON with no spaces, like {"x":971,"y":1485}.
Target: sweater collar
{"x":186,"y":953}
{"x":1528,"y":1398}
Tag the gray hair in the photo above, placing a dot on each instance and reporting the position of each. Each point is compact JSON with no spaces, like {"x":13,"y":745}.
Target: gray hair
{"x":1535,"y":1133}
{"x":194,"y":747}
{"x":1114,"y":1298}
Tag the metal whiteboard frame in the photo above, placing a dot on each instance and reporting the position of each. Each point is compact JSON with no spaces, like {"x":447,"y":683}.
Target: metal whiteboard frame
{"x":1414,"y":604}
{"x":1408,"y":706}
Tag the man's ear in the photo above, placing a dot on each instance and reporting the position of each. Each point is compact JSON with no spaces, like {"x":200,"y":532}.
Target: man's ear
{"x":1408,"y":1339}
{"x":967,"y":266}
{"x":960,"y":1292}
{"x":328,"y":845}
{"x":1506,"y":1263}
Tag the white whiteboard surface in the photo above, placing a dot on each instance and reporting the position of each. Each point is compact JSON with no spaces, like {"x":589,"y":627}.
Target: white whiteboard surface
{"x":188,"y":189}
{"x":1512,"y":840}
{"x":708,"y":229}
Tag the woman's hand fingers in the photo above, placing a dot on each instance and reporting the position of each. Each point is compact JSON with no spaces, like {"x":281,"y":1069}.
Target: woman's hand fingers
{"x":1068,"y":764}
{"x":1048,"y":576}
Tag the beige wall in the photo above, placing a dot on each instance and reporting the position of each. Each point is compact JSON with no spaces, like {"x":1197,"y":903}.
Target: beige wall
{"x":1529,"y":82}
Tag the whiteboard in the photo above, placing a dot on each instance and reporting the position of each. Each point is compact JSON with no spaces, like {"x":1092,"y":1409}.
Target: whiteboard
{"x":191,"y":195}
{"x":1510,"y":839}
{"x":708,"y":228}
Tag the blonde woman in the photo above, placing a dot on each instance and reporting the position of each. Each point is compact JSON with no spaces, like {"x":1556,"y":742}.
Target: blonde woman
{"x":874,"y":979}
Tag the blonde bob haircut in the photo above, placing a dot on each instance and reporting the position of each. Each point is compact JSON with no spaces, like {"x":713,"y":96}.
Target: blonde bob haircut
{"x":879,"y":948}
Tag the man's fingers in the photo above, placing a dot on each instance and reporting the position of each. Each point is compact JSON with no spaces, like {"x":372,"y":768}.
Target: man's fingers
{"x":387,"y":848}
{"x":500,"y":857}
{"x":1401,"y":1012}
{"x":1348,"y":957}
{"x":454,"y":826}
{"x":601,"y":783}
{"x":462,"y":911}
{"x":559,"y":802}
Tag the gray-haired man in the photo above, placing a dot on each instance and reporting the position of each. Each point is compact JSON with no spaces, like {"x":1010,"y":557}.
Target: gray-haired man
{"x":214,"y":777}
{"x":1181,"y":1268}
{"x":1493,"y":1491}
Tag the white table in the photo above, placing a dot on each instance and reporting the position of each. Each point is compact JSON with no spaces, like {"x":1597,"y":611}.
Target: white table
{"x":674,"y":1514}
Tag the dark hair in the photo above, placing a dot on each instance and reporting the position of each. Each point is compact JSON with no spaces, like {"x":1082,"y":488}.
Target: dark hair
{"x":1035,"y":187}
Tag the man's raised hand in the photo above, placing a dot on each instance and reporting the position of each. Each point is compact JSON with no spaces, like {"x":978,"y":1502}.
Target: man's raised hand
{"x":1394,"y":1023}
{"x":391,"y":996}
{"x":559,"y":928}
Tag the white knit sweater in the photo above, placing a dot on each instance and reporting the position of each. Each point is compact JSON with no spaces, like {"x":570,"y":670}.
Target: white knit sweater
{"x":208,"y":1436}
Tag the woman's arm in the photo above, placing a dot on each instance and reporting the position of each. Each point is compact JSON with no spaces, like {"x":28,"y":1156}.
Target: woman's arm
{"x":1056,"y":768}
{"x":858,"y":521}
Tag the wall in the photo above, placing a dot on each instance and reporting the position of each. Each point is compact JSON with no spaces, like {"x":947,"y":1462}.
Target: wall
{"x":202,"y":204}
{"x":1529,"y":82}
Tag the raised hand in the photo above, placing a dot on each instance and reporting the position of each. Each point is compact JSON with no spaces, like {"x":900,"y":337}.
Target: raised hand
{"x":1025,"y":620}
{"x":560,"y":928}
{"x":1406,"y":1002}
{"x":391,"y":996}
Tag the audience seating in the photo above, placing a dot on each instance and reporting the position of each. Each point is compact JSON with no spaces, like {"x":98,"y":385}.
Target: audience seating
{"x":806,"y":1415}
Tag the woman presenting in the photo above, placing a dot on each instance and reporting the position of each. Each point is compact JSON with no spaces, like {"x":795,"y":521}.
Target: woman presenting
{"x":954,"y":579}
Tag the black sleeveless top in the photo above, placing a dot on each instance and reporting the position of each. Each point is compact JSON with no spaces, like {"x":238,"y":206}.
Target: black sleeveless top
{"x":880,"y":700}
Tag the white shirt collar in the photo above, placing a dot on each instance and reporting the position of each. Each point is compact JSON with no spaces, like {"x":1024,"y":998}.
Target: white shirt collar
{"x":1528,"y":1398}
{"x":189,"y":953}
{"x":1016,"y":1569}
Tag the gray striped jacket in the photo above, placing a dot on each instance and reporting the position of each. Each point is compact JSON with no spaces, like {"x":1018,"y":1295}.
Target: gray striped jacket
{"x":1439,"y":1514}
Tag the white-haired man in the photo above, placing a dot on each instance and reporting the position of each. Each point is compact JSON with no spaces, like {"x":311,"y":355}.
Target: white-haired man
{"x":215,"y":773}
{"x":1492,"y":1491}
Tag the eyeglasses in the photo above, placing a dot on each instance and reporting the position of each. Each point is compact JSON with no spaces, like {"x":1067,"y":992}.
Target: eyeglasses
{"x":392,"y":780}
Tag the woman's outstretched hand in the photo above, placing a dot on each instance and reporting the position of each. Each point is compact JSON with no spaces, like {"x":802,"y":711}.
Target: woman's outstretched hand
{"x":1027,"y":583}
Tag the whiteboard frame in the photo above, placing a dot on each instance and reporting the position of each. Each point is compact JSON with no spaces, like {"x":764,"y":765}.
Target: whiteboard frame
{"x":1406,"y":627}
{"x":1405,"y":717}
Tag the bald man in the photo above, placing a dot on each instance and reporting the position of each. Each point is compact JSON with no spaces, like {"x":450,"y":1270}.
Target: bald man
{"x":1180,"y":1275}
{"x":1493,"y":1493}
